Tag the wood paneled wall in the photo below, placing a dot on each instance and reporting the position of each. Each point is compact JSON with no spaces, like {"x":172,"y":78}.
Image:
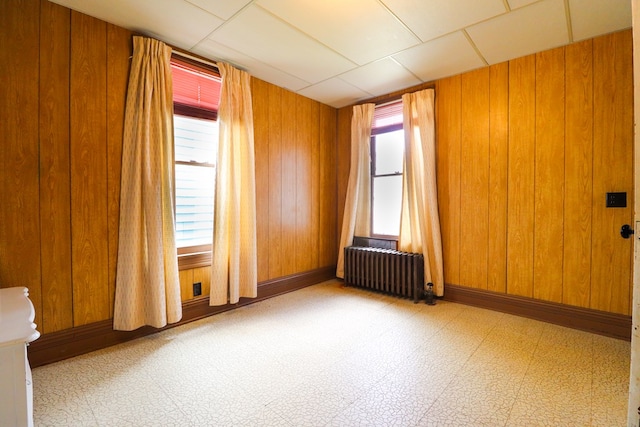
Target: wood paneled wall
{"x":19,"y":184}
{"x":295,"y":143}
{"x":295,"y":146}
{"x":61,"y":175}
{"x":527,"y":151}
{"x":64,"y":80}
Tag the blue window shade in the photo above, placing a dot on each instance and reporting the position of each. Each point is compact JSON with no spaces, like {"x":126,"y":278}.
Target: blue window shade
{"x":195,"y":156}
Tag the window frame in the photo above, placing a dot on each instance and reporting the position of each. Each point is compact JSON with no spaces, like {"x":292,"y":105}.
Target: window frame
{"x":190,"y":257}
{"x":194,"y":257}
{"x":372,"y":147}
{"x":197,"y":255}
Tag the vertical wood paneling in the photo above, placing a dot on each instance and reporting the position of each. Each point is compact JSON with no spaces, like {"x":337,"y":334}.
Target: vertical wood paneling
{"x":498,"y":157}
{"x":276,"y":251}
{"x":302,"y":253}
{"x":19,"y":168}
{"x":545,"y":179}
{"x":260,"y":95}
{"x":55,"y":198}
{"x":578,"y":173}
{"x":189,"y":277}
{"x":474,"y":178}
{"x":119,"y":50}
{"x":327,"y":186}
{"x":186,"y":285}
{"x":289,"y":200}
{"x":313,"y":230}
{"x":88,"y":87}
{"x":549,"y":176}
{"x":448,"y":173}
{"x":612,"y":171}
{"x":89,"y":235}
{"x":202,"y":275}
{"x":62,"y":148}
{"x":521,"y":173}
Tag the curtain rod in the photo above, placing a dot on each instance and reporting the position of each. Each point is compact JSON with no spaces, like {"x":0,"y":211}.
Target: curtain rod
{"x":393,"y":101}
{"x":183,"y":53}
{"x":396,"y":96}
{"x":195,"y":58}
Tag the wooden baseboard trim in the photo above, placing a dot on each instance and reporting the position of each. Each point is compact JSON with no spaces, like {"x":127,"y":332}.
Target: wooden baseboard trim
{"x":599,"y":322}
{"x":61,"y":345}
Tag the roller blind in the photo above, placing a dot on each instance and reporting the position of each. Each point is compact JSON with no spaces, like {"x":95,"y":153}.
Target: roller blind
{"x":387,"y":114}
{"x":196,"y":91}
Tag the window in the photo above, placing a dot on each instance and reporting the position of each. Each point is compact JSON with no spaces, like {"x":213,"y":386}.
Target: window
{"x":195,"y":157}
{"x":196,"y":94}
{"x":387,"y":157}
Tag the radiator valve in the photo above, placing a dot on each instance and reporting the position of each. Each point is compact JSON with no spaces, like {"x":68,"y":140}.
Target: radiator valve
{"x":428,"y":294}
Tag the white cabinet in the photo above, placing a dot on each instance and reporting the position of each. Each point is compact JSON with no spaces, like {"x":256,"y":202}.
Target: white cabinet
{"x":17,"y":330}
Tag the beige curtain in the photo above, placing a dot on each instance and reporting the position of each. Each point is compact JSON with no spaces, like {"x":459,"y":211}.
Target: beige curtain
{"x":234,"y":271}
{"x":147,"y":281}
{"x":356,"y":220}
{"x":420,"y":222}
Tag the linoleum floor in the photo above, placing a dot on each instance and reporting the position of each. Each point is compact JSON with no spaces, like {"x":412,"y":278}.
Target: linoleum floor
{"x":328,"y":355}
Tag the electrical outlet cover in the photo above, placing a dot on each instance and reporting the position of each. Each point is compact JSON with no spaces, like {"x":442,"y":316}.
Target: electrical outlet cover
{"x":617,"y":200}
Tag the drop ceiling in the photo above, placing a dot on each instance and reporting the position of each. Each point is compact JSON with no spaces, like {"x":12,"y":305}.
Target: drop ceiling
{"x":340,"y":52}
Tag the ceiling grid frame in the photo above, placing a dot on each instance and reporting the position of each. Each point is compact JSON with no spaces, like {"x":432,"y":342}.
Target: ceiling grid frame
{"x":314,"y":56}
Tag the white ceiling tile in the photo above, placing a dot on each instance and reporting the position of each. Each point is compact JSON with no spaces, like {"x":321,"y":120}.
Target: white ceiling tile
{"x":224,"y":9}
{"x":178,"y":23}
{"x":335,"y":92}
{"x":433,"y":18}
{"x":590,"y":18}
{"x":260,"y":35}
{"x":515,"y":4}
{"x":361,"y":30}
{"x":446,"y":56}
{"x":380,"y":77}
{"x":531,"y":29}
{"x":315,"y":47}
{"x":217,"y":52}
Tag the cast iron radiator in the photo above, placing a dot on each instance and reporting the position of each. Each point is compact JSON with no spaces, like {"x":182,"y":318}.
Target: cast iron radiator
{"x":385,"y":270}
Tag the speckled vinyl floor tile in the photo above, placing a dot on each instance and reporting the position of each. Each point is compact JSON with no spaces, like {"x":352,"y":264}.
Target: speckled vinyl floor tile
{"x":336,"y":356}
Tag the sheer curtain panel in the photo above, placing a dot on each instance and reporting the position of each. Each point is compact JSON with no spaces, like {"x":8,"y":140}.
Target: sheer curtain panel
{"x":234,"y":271}
{"x":147,"y":281}
{"x":420,"y":222}
{"x":357,"y":207}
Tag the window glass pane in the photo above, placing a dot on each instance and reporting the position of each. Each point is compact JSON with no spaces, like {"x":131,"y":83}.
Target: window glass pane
{"x":387,"y":202}
{"x":389,"y":152}
{"x":196,"y":139}
{"x":194,"y":205}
